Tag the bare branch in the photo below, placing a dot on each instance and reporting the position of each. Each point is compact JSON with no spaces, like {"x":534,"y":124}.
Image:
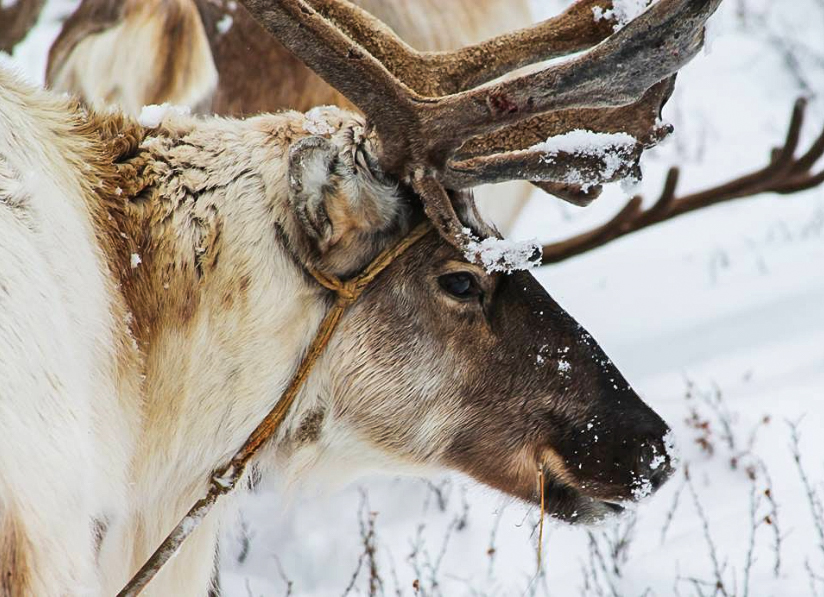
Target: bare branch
{"x":718,"y":568}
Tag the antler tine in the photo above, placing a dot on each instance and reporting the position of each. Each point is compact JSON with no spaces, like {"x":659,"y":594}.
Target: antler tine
{"x":784,"y":174}
{"x":617,"y":72}
{"x":785,"y":155}
{"x":435,"y":74}
{"x":571,"y":193}
{"x":815,"y":152}
{"x":337,"y":59}
{"x":439,"y":208}
{"x":563,"y":167}
{"x":640,"y":120}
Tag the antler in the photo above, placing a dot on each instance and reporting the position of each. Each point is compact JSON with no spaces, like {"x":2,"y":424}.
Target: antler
{"x":434,"y":130}
{"x":785,"y":174}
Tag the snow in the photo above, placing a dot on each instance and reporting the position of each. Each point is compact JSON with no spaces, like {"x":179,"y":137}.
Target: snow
{"x":612,"y":148}
{"x":717,"y":314}
{"x":152,"y":115}
{"x":134,"y":260}
{"x":224,"y":24}
{"x":500,"y":255}
{"x":586,"y":143}
{"x":316,"y":123}
{"x":622,"y":11}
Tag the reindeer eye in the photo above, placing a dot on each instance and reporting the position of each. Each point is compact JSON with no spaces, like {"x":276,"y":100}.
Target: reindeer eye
{"x":462,"y":285}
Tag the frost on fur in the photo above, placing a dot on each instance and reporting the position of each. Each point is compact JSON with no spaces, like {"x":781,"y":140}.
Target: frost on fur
{"x":499,"y":255}
{"x":152,"y":115}
{"x":316,"y":122}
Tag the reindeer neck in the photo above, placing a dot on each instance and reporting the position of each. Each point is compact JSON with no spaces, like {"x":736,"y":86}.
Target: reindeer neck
{"x":191,"y":218}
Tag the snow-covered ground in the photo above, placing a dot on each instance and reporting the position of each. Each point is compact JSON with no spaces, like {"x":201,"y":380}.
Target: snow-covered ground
{"x":716,"y":318}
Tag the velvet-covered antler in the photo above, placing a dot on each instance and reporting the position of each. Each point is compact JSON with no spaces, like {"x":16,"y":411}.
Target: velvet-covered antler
{"x":438,"y":122}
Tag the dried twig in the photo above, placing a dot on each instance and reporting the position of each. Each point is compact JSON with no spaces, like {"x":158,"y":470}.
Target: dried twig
{"x":441,"y":491}
{"x":671,"y":512}
{"x":813,"y":578}
{"x":491,"y":551}
{"x":718,"y":569}
{"x":287,"y":581}
{"x":366,"y":522}
{"x":813,"y":499}
{"x":597,"y":558}
{"x":755,"y":523}
{"x":540,"y":550}
{"x":772,"y":518}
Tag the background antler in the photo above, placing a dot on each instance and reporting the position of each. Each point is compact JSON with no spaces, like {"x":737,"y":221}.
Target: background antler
{"x":785,"y":174}
{"x":453,"y":136}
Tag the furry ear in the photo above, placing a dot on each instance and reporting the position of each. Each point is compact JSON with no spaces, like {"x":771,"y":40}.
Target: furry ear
{"x":311,"y":178}
{"x":334,"y":195}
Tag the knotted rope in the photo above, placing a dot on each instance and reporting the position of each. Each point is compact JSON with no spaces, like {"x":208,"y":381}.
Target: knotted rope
{"x":226,"y":477}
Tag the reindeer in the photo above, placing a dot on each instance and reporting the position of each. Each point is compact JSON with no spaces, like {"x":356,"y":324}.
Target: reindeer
{"x":160,"y":284}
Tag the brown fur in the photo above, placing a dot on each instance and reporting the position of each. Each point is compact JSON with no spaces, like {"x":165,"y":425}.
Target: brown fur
{"x":273,"y":79}
{"x":15,"y":574}
{"x":16,"y":21}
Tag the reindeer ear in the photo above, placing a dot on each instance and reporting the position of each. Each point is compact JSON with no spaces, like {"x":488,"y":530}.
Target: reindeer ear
{"x":335,"y":196}
{"x":311,"y":179}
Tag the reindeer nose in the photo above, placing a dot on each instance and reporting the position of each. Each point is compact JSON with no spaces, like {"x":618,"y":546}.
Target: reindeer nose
{"x":654,"y":463}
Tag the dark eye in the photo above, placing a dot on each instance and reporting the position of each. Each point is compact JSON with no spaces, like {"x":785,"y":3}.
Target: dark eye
{"x":462,"y":285}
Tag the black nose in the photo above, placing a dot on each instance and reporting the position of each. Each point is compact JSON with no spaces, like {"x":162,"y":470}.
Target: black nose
{"x":660,"y":475}
{"x":654,"y":464}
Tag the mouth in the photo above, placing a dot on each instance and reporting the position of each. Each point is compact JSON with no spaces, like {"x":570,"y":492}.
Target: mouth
{"x":566,"y":503}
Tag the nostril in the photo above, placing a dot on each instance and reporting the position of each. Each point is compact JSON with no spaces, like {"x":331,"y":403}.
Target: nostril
{"x":660,"y":475}
{"x":654,"y":465}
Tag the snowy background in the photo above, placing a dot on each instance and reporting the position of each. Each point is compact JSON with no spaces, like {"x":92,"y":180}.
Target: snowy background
{"x":716,"y":318}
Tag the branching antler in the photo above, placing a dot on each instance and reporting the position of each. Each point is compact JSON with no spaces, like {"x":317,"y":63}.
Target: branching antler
{"x":785,"y":174}
{"x":435,"y":130}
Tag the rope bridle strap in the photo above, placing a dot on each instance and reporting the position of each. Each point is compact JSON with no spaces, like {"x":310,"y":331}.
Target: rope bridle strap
{"x":226,"y":477}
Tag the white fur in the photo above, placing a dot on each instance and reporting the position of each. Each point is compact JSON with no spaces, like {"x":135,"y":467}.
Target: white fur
{"x":58,"y":398}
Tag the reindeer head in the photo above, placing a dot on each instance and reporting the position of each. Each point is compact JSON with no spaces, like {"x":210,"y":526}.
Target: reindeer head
{"x":442,"y":360}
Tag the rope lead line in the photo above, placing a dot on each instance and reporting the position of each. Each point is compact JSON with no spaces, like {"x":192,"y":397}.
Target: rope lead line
{"x":226,"y":477}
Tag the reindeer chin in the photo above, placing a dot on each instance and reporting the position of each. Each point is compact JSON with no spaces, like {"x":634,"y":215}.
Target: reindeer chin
{"x":571,"y":505}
